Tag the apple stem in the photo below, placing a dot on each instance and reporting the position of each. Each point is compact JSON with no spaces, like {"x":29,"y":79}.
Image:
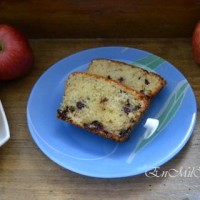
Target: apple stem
{"x":1,"y":46}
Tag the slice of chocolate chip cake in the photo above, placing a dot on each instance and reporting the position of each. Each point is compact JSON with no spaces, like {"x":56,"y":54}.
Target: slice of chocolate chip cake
{"x":101,"y":106}
{"x":141,"y":80}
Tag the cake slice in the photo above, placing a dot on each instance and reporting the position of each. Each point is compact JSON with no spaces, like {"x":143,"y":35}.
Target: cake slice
{"x":101,"y":106}
{"x":141,"y":80}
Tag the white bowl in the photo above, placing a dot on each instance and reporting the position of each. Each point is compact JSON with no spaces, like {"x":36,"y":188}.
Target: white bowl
{"x":4,"y":129}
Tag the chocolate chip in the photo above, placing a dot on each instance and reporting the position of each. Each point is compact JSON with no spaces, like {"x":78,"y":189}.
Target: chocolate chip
{"x":96,"y":125}
{"x":86,"y":126}
{"x":146,"y":81}
{"x":80,"y":105}
{"x":104,"y":100}
{"x":139,"y":78}
{"x":108,"y":77}
{"x":127,"y":109}
{"x":125,"y":132}
{"x":121,"y":79}
{"x":132,"y":121}
{"x":121,"y":91}
{"x":71,"y":109}
{"x":128,"y":102}
{"x":136,"y":108}
{"x":62,"y":114}
{"x":142,"y":91}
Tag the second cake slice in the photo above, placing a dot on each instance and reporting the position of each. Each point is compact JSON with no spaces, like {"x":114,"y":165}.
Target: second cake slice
{"x":143,"y":81}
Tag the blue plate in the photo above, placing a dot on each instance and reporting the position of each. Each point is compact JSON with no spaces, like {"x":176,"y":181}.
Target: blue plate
{"x":88,"y":154}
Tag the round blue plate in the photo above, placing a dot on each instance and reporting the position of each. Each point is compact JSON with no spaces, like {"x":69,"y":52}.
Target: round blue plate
{"x":88,"y":154}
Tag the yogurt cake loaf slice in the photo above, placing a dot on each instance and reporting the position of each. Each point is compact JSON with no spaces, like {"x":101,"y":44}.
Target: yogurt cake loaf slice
{"x":101,"y":106}
{"x":141,"y":80}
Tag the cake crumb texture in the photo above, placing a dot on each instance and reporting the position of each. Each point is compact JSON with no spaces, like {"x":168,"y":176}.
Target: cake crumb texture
{"x":101,"y":106}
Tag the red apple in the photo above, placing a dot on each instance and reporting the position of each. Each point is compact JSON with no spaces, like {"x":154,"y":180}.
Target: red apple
{"x":196,"y":43}
{"x":16,"y":56}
